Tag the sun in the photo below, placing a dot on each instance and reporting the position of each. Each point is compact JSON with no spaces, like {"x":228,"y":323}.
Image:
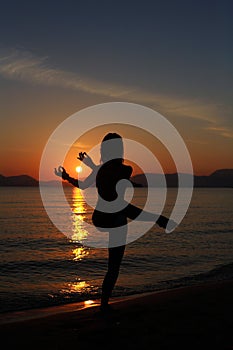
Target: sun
{"x":78,"y":169}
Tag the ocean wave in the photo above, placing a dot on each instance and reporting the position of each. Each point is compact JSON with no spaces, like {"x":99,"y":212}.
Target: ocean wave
{"x":218,"y":274}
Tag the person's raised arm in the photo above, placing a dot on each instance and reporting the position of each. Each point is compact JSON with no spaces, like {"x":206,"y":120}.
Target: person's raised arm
{"x":86,"y":159}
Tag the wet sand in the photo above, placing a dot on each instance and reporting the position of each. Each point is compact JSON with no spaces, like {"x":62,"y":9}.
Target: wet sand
{"x":198,"y":317}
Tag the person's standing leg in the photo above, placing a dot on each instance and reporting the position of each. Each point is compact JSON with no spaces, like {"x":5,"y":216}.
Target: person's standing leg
{"x":117,"y":242}
{"x":115,"y":256}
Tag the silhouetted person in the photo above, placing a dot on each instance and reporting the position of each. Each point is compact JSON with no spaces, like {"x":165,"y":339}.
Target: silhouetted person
{"x":107,"y":175}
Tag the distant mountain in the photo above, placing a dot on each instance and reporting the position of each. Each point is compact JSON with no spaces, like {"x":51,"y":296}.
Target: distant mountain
{"x":157,"y":180}
{"x":27,"y":181}
{"x":219,"y":178}
{"x":160,"y":180}
{"x":20,"y":180}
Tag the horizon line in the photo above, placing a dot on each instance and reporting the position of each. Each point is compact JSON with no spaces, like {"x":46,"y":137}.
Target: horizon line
{"x":138,"y":174}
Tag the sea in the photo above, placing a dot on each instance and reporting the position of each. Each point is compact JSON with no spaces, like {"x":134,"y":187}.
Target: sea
{"x":41,"y":267}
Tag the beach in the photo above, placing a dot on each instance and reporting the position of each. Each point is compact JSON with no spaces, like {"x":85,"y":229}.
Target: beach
{"x":197,"y":317}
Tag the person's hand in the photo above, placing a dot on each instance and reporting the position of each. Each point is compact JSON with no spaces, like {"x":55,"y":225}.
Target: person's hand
{"x":86,"y":160}
{"x":61,"y":172}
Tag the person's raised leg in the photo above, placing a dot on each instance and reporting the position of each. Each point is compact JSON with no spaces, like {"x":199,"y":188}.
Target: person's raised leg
{"x":133,"y":212}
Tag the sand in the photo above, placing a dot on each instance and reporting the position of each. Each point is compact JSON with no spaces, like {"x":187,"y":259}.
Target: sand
{"x":197,"y":317}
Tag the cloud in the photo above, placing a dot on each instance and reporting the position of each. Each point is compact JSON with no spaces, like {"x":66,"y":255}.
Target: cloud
{"x":26,"y":67}
{"x":222,"y":131}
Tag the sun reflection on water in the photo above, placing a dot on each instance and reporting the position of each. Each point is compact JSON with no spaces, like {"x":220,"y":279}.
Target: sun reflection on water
{"x":88,"y":303}
{"x":79,"y":286}
{"x":80,"y":252}
{"x":79,"y":233}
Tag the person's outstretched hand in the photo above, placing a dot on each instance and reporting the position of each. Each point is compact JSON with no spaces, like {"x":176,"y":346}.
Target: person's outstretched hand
{"x":84,"y":157}
{"x":61,"y":172}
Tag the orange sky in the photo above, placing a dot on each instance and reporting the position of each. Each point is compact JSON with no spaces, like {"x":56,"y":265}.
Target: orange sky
{"x":22,"y":144}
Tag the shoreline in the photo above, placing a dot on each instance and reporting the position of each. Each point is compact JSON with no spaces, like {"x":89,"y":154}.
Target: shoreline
{"x":41,"y":312}
{"x":198,"y":316}
{"x":220,"y":274}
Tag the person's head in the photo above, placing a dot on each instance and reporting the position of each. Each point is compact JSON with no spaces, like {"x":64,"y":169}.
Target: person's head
{"x":112,"y":150}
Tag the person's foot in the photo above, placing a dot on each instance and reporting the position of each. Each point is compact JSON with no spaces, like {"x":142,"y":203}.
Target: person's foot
{"x":162,"y":221}
{"x":171,"y":225}
{"x":166,"y":223}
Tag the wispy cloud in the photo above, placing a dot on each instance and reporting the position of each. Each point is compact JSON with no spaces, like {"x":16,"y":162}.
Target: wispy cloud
{"x":222,"y":131}
{"x":26,"y":67}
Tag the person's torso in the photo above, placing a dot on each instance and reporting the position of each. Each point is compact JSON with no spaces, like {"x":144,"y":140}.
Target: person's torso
{"x":107,"y":178}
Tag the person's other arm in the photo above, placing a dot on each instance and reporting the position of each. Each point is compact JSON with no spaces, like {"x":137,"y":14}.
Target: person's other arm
{"x":61,"y":172}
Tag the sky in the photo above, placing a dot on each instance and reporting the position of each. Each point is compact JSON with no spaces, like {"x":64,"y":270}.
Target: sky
{"x":58,"y":57}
